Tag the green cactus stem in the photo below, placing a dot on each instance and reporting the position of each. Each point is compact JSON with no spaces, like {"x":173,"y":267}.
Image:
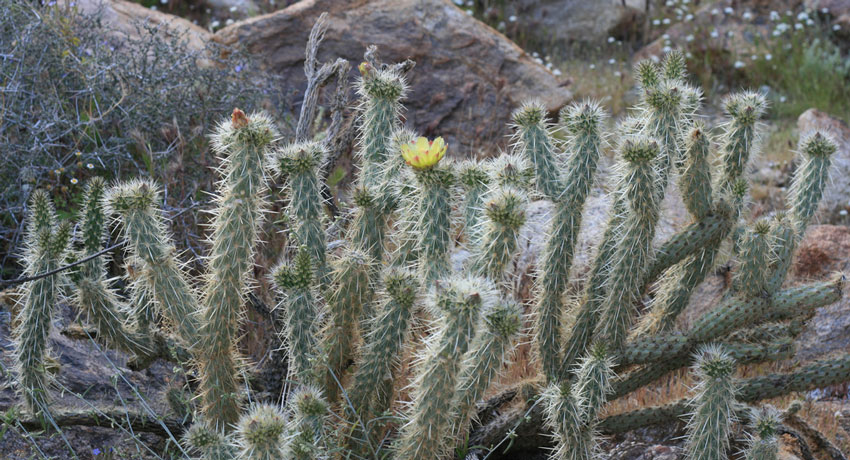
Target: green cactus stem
{"x":243,"y":147}
{"x":299,"y":305}
{"x":763,"y":442}
{"x":46,"y":245}
{"x":474,"y":179}
{"x":740,"y":136}
{"x":306,"y":438}
{"x":714,"y":405}
{"x":301,"y":163}
{"x":348,"y":302}
{"x":488,"y":355}
{"x":634,"y":245}
{"x":564,"y":416}
{"x":135,"y":203}
{"x":380,"y":91}
{"x":533,"y":140}
{"x":433,"y":219}
{"x":811,"y":178}
{"x":212,"y":444}
{"x":457,"y":304}
{"x":505,"y":211}
{"x":695,"y":180}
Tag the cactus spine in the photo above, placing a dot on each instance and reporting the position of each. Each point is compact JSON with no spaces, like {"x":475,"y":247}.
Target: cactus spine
{"x":433,"y":219}
{"x":209,"y":442}
{"x":46,"y":247}
{"x":505,"y":211}
{"x":306,"y":435}
{"x":431,"y":416}
{"x":474,"y":180}
{"x":763,"y":443}
{"x":714,"y":406}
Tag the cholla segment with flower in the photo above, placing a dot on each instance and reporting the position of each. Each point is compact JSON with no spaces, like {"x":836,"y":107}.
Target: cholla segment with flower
{"x":422,"y":153}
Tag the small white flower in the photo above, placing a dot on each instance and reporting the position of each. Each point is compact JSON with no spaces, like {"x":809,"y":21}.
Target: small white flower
{"x":728,"y":10}
{"x":670,"y":3}
{"x":89,"y":165}
{"x":715,"y":12}
{"x":214,"y":24}
{"x":689,"y":17}
{"x":469,"y":12}
{"x":685,"y":2}
{"x":153,"y":7}
{"x":612,"y":61}
{"x":535,"y":54}
{"x":802,"y":16}
{"x":739,"y":64}
{"x":768,"y":57}
{"x":666,"y":49}
{"x":754,"y":57}
{"x":611,"y":39}
{"x":730,"y":34}
{"x":592,"y":66}
{"x":789,"y":13}
{"x":776,"y":32}
{"x":747,"y":16}
{"x":666,"y":36}
{"x":164,"y":2}
{"x":459,"y":2}
{"x":810,"y":22}
{"x":689,"y":55}
{"x":715,"y":33}
{"x":511,"y":18}
{"x":618,"y":74}
{"x":666,"y":21}
{"x":782,"y":98}
{"x":233,"y":9}
{"x":654,"y":58}
{"x":538,"y":60}
{"x":798,"y":26}
{"x":656,"y":22}
{"x":689,"y":38}
{"x":836,"y":27}
{"x":549,"y":65}
{"x":774,"y":16}
{"x":556,"y":72}
{"x":228,"y":22}
{"x":843,"y":212}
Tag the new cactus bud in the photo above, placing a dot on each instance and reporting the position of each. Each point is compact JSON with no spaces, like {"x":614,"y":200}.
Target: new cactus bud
{"x":751,"y":278}
{"x":674,"y":66}
{"x":260,"y":433}
{"x":595,"y":375}
{"x":695,"y":181}
{"x":474,"y":179}
{"x":564,"y":416}
{"x":647,"y":74}
{"x":740,"y":136}
{"x":306,"y":429}
{"x":714,"y":405}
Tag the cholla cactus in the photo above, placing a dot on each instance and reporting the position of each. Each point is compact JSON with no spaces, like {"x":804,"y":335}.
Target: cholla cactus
{"x":350,"y":309}
{"x":763,"y":443}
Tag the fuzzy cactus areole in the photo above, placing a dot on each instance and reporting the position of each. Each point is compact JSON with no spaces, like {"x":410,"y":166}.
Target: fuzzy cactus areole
{"x":422,"y":153}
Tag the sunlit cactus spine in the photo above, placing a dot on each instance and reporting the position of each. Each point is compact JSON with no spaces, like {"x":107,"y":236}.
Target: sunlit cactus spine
{"x":260,"y":433}
{"x":505,"y":212}
{"x":751,"y":277}
{"x":714,"y":405}
{"x":46,"y":246}
{"x":92,"y":293}
{"x":301,"y":164}
{"x":136,"y":205}
{"x":635,"y":240}
{"x":489,"y":354}
{"x":348,"y":302}
{"x":211,"y":443}
{"x":299,"y":302}
{"x":457,"y":303}
{"x":811,"y":177}
{"x":763,"y":442}
{"x":380,"y":91}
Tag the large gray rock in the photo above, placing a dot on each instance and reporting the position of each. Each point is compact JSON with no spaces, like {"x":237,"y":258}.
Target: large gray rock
{"x":467,"y":80}
{"x":836,"y":197}
{"x":558,"y":23}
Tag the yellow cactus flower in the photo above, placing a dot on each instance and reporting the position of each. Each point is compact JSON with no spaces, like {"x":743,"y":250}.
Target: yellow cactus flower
{"x":422,"y":153}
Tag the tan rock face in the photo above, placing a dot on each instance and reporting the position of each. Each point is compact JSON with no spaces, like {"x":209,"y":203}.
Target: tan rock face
{"x":836,"y":197}
{"x":467,"y":80}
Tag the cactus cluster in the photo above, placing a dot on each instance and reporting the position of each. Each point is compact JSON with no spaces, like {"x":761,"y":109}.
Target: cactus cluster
{"x":390,"y":293}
